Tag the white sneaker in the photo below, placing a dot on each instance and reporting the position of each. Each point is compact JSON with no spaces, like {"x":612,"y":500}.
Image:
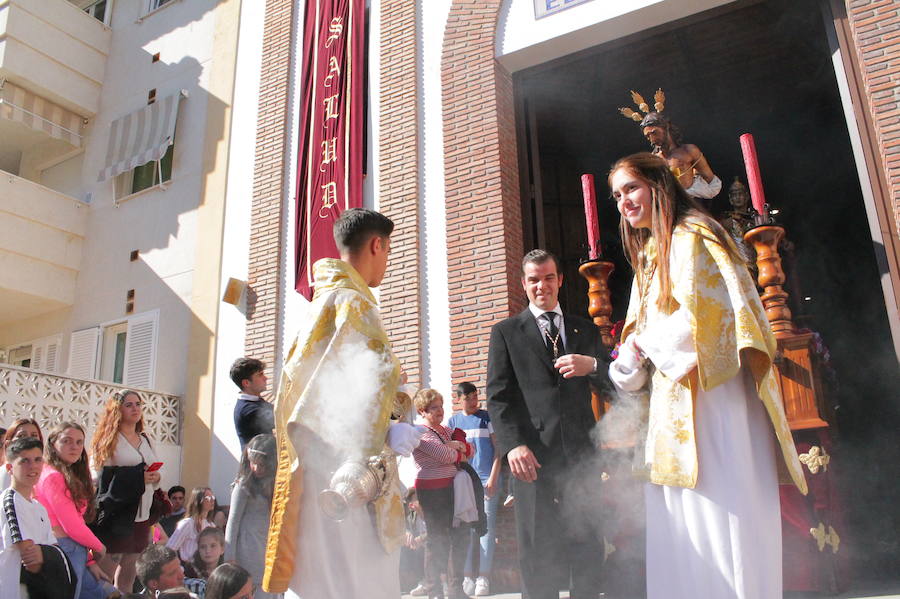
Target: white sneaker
{"x":482,"y":587}
{"x":468,"y":585}
{"x":419,"y":591}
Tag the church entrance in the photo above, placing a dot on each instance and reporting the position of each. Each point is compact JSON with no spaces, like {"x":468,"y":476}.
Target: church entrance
{"x":750,"y":67}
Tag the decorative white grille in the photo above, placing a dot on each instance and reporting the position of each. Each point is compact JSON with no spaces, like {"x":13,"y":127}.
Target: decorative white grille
{"x":52,"y":398}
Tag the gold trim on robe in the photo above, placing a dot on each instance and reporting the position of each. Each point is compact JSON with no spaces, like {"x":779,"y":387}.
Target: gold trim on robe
{"x":730,"y":330}
{"x":343,"y":314}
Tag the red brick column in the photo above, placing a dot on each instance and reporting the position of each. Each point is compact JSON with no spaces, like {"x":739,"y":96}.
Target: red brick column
{"x":875,"y":27}
{"x":484,"y":221}
{"x":266,"y":265}
{"x":399,"y":181}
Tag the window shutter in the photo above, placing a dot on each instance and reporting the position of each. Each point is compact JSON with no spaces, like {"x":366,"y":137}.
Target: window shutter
{"x":51,"y":358}
{"x":140,"y":350}
{"x":37,"y":356}
{"x":83,"y":353}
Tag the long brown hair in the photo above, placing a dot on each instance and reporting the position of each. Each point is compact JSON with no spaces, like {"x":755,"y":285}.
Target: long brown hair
{"x":261,"y":448}
{"x":670,"y":205}
{"x":195,"y":507}
{"x":199,"y":567}
{"x":106,"y":435}
{"x":13,"y":430}
{"x":77,"y":475}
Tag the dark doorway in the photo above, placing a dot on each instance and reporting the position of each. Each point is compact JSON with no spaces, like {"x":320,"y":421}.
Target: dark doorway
{"x":763,"y":68}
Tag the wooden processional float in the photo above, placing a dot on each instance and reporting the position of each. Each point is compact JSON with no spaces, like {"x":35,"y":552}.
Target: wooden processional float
{"x":810,"y":540}
{"x":797,"y":364}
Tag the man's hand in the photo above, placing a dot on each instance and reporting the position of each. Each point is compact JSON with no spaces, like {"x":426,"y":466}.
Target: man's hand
{"x":32,"y":557}
{"x":523,"y":464}
{"x":98,"y":573}
{"x":571,"y":365}
{"x":403,"y":438}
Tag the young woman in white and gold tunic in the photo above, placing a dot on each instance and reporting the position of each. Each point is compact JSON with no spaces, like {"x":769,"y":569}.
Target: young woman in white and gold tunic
{"x":697,"y":340}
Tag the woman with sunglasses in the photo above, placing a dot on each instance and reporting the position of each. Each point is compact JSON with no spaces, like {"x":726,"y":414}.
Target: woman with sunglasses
{"x":201,"y":508}
{"x":121,"y":453}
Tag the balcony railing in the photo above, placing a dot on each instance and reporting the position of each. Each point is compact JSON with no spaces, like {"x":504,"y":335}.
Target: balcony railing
{"x":54,"y":398}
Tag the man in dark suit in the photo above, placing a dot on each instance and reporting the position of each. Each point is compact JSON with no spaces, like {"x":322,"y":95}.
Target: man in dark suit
{"x":540,"y":365}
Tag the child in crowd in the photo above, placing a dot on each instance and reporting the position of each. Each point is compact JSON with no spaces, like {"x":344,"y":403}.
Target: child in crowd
{"x":29,"y":557}
{"x":251,"y":502}
{"x":209,"y":555}
{"x":437,"y":458}
{"x":412,"y":554}
{"x":200,"y":509}
{"x":476,"y":423}
{"x":66,"y":490}
{"x":23,"y":427}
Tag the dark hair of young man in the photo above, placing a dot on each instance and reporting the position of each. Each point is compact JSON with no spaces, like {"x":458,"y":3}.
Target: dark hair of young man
{"x":244,"y":368}
{"x":176,"y":489}
{"x":355,"y":226}
{"x":539,"y":257}
{"x":465,"y":388}
{"x":22,"y":444}
{"x":151,"y":561}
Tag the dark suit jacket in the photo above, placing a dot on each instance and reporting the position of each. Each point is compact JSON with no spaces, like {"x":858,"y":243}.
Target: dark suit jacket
{"x":529,"y":401}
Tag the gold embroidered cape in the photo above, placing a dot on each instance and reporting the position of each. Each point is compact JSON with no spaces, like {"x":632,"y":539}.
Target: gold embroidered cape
{"x":730,"y":329}
{"x":342,"y":331}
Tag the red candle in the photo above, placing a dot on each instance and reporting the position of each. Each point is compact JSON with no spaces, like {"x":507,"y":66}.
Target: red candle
{"x":590,"y":216}
{"x":754,"y":179}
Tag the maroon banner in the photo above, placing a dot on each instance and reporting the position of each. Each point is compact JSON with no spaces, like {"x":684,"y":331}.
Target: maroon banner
{"x":330,"y":157}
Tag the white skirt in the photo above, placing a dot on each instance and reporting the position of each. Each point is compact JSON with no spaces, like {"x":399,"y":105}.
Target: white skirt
{"x":722,"y":539}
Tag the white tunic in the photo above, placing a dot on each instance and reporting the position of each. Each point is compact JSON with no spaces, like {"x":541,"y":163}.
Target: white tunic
{"x":340,"y":560}
{"x":722,"y":539}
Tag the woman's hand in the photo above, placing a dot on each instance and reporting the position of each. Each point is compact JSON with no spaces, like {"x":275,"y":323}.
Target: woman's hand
{"x":151,"y":478}
{"x":459,"y":446}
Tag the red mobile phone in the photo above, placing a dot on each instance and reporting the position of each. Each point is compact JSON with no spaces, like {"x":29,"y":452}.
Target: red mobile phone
{"x":154,"y":466}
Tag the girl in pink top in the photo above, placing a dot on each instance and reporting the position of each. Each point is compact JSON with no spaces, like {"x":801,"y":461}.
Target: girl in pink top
{"x":66,"y":491}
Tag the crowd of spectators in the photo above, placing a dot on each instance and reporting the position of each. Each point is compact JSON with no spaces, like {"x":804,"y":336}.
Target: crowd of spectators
{"x":96,"y":525}
{"x":84,"y":519}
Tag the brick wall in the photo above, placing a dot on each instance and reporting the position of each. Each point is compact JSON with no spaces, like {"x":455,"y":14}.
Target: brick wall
{"x":266,"y":262}
{"x":875,"y":26}
{"x":484,"y":228}
{"x":399,"y":182}
{"x":484,"y":217}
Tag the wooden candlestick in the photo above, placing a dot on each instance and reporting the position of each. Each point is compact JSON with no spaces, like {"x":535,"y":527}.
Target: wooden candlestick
{"x":771,"y":277}
{"x":600,"y":304}
{"x":600,"y":308}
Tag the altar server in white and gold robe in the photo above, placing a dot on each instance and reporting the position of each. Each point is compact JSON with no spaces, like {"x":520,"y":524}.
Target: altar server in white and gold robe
{"x":696,"y":339}
{"x":334,"y":403}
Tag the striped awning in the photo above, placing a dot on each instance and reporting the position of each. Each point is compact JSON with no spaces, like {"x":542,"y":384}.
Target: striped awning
{"x":20,"y":105}
{"x":141,"y":136}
